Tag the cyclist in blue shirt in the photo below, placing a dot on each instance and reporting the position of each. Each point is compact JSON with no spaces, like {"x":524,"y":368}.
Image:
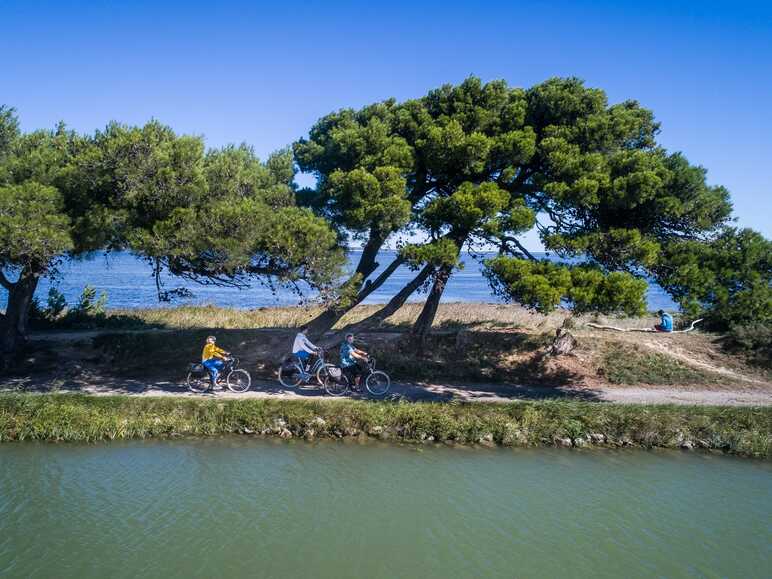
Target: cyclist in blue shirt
{"x":665,"y":322}
{"x":350,"y":358}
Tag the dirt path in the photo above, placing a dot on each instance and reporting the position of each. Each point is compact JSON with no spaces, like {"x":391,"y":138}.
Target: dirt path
{"x":689,"y":359}
{"x":429,"y":392}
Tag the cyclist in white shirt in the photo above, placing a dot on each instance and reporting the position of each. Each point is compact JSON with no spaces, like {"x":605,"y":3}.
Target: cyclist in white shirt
{"x":302,"y":347}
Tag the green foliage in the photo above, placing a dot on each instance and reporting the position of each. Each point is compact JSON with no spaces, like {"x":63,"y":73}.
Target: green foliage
{"x":728,"y":280}
{"x":54,"y":159}
{"x":33,"y":228}
{"x":53,"y":311}
{"x":441,"y":252}
{"x":55,"y":304}
{"x":485,"y":162}
{"x":361,"y":164}
{"x":89,"y":305}
{"x":619,"y":247}
{"x":371,"y":199}
{"x":90,"y":311}
{"x":467,"y":208}
{"x":754,"y":340}
{"x":220,"y":216}
{"x":543,"y":285}
{"x":9,"y":129}
{"x":146,"y":172}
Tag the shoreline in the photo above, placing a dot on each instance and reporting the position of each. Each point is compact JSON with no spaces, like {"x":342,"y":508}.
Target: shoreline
{"x":743,"y":431}
{"x":123,"y":270}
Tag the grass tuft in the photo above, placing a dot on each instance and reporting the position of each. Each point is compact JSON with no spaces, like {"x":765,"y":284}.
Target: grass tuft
{"x":627,"y":364}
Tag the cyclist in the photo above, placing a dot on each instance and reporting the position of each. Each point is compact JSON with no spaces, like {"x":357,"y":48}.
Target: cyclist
{"x":302,"y":348}
{"x":350,"y":358}
{"x":213,"y":358}
{"x":665,"y":322}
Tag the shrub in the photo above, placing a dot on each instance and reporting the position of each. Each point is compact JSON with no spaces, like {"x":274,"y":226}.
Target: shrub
{"x":89,"y":305}
{"x":727,"y":281}
{"x":55,"y":304}
{"x":89,"y":312}
{"x":37,"y":313}
{"x":44,"y":317}
{"x":754,"y":340}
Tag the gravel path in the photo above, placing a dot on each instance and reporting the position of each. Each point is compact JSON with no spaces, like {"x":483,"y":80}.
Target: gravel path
{"x":730,"y":396}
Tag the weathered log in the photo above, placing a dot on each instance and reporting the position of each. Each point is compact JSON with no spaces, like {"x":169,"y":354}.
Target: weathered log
{"x":616,"y":329}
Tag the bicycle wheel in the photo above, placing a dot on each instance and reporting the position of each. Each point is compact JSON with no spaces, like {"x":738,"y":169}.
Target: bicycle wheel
{"x":336,"y":382}
{"x":290,"y":376}
{"x":198,"y":383}
{"x":323,"y":372}
{"x":239,"y":381}
{"x":378,"y":383}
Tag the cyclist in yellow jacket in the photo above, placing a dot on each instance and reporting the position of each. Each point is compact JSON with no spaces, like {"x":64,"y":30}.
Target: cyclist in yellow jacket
{"x":212,"y":358}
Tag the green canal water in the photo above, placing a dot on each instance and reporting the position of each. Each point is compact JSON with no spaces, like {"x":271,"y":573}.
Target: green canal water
{"x":240,"y":507}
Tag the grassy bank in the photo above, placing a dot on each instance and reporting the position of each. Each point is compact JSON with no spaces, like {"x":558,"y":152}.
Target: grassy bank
{"x":743,"y":431}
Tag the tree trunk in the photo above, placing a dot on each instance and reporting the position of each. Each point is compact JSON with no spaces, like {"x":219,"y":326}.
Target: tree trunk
{"x":395,"y":303}
{"x":13,"y":325}
{"x":564,"y":343}
{"x":366,"y":266}
{"x":329,"y":317}
{"x":424,"y":322}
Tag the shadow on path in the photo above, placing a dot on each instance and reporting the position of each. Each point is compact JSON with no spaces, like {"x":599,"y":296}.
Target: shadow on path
{"x":410,"y":391}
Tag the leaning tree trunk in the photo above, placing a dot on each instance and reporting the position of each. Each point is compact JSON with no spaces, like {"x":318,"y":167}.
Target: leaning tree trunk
{"x":366,"y":266}
{"x":328,"y":318}
{"x":13,"y":325}
{"x":394,"y":304}
{"x":425,"y":320}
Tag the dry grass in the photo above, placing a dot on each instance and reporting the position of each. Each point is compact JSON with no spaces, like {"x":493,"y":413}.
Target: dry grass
{"x":194,"y":317}
{"x":450,"y":316}
{"x":454,"y":316}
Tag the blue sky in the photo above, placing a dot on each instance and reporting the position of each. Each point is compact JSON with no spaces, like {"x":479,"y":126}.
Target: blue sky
{"x":263,"y":73}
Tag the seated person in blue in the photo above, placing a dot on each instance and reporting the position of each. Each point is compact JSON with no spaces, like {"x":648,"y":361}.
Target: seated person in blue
{"x":665,"y":322}
{"x":350,"y":358}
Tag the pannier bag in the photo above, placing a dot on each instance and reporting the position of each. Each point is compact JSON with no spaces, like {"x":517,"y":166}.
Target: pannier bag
{"x":289,"y":361}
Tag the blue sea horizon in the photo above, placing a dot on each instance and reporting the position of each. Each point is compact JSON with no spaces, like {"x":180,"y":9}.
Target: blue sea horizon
{"x":128,"y":282}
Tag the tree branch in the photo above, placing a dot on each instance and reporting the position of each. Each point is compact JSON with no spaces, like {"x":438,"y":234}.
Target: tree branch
{"x":521,"y":248}
{"x":373,"y":285}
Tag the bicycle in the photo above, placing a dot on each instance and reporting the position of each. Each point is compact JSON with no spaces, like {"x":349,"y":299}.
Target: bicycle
{"x":293,"y":373}
{"x":235,"y":378}
{"x":377,"y":382}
